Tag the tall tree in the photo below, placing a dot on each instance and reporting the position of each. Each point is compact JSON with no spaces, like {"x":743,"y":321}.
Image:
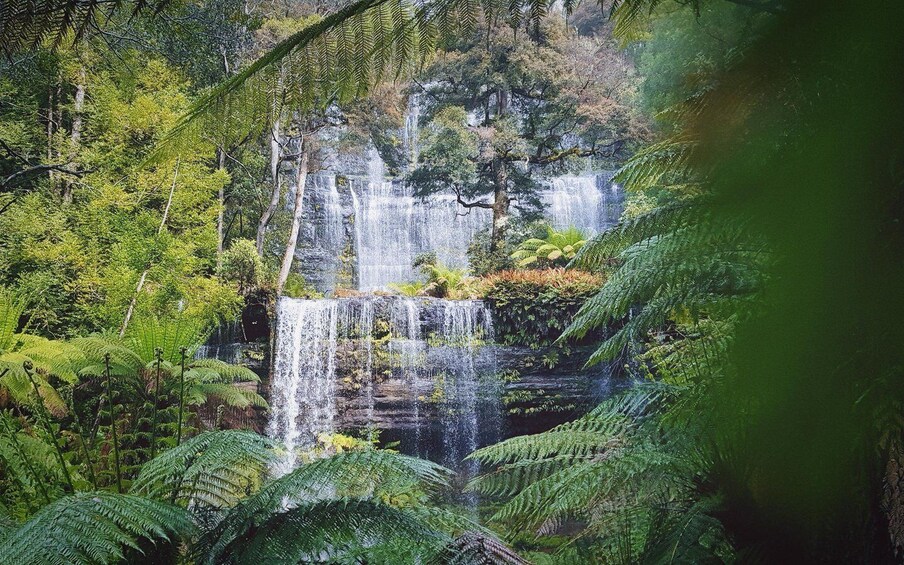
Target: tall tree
{"x":528,"y":103}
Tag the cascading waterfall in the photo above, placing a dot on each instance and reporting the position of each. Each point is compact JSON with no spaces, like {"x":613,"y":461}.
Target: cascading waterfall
{"x":363,"y":229}
{"x":591,"y":203}
{"x":410,"y":136}
{"x":417,"y":368}
{"x":468,"y":406}
{"x":393,"y":227}
{"x":433,"y":355}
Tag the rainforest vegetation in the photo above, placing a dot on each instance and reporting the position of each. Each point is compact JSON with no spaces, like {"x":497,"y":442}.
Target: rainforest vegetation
{"x":154,"y":159}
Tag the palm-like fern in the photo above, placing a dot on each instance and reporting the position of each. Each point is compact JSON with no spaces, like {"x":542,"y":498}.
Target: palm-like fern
{"x":625,"y":472}
{"x":133,"y":360}
{"x":26,"y":24}
{"x":324,"y":506}
{"x":630,"y":471}
{"x":556,"y":247}
{"x":93,"y":527}
{"x":47,"y":358}
{"x":32,"y":470}
{"x":213,"y":469}
{"x":474,"y":547}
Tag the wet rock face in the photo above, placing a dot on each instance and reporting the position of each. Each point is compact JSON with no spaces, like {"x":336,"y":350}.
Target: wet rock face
{"x":325,"y":254}
{"x":423,"y":371}
{"x":521,"y":395}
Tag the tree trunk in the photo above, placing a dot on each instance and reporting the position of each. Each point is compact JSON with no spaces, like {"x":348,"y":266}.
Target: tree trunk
{"x":144,"y":275}
{"x":50,"y":133}
{"x":275,"y":192}
{"x":221,"y":206}
{"x":301,"y":176}
{"x":501,"y":202}
{"x":78,"y":107}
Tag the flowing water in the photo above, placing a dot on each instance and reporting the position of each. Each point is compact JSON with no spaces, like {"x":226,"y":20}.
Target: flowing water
{"x":429,"y":361}
{"x":421,"y":370}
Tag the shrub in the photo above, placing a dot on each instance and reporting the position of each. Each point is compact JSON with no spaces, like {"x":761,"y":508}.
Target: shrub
{"x":534,"y":307}
{"x":243,"y":266}
{"x":557,"y":248}
{"x":442,"y":281}
{"x":415,"y":288}
{"x":297,"y":287}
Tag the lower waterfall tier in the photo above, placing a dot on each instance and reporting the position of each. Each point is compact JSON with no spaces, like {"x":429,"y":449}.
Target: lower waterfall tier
{"x":424,"y":372}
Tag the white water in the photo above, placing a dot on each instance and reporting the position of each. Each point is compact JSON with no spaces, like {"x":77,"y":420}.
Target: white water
{"x":303,"y":382}
{"x":436,"y":347}
{"x":444,"y":359}
{"x":392,"y":227}
{"x":590,"y":203}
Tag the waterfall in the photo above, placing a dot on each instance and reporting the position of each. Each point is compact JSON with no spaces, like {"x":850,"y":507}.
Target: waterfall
{"x":364,"y":230}
{"x":420,"y":369}
{"x":392,"y":227}
{"x":410,"y":137}
{"x":591,"y":203}
{"x":302,"y":388}
{"x":427,"y":363}
{"x":469,"y":409}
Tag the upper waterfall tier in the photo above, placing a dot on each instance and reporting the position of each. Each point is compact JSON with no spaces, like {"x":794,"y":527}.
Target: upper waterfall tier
{"x":363,"y":232}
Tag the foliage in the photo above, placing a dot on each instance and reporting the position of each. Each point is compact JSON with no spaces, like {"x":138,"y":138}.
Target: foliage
{"x":80,"y":263}
{"x":242,"y":266}
{"x":27,"y":25}
{"x":134,"y":364}
{"x":93,"y":527}
{"x":556,"y":248}
{"x":354,"y":503}
{"x":49,"y":360}
{"x":443,"y":281}
{"x":297,"y":287}
{"x":359,"y":503}
{"x":212,"y":469}
{"x":59,"y":387}
{"x":626,"y":472}
{"x":533,"y":307}
{"x":411,"y":289}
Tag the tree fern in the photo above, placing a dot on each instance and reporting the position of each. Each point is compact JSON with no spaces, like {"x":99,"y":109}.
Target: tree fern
{"x":329,"y":531}
{"x":48,"y":358}
{"x":26,"y":24}
{"x":12,"y":309}
{"x":211,"y":469}
{"x":30,"y":465}
{"x":638,"y":465}
{"x":474,"y":547}
{"x":356,"y":476}
{"x":92,"y":527}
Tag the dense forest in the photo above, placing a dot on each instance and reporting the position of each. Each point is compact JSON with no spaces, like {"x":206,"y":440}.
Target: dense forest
{"x":446,"y":281}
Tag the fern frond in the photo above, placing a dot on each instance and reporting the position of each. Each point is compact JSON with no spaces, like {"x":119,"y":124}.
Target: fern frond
{"x":147,"y":334}
{"x":93,"y":527}
{"x":358,"y":474}
{"x":328,"y":531}
{"x":475,"y":547}
{"x":595,"y":253}
{"x":212,"y":469}
{"x":12,"y":309}
{"x":228,"y":394}
{"x":224,"y":372}
{"x":16,"y":382}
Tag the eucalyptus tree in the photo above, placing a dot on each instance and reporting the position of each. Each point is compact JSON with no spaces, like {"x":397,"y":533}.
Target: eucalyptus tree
{"x":532,"y":102}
